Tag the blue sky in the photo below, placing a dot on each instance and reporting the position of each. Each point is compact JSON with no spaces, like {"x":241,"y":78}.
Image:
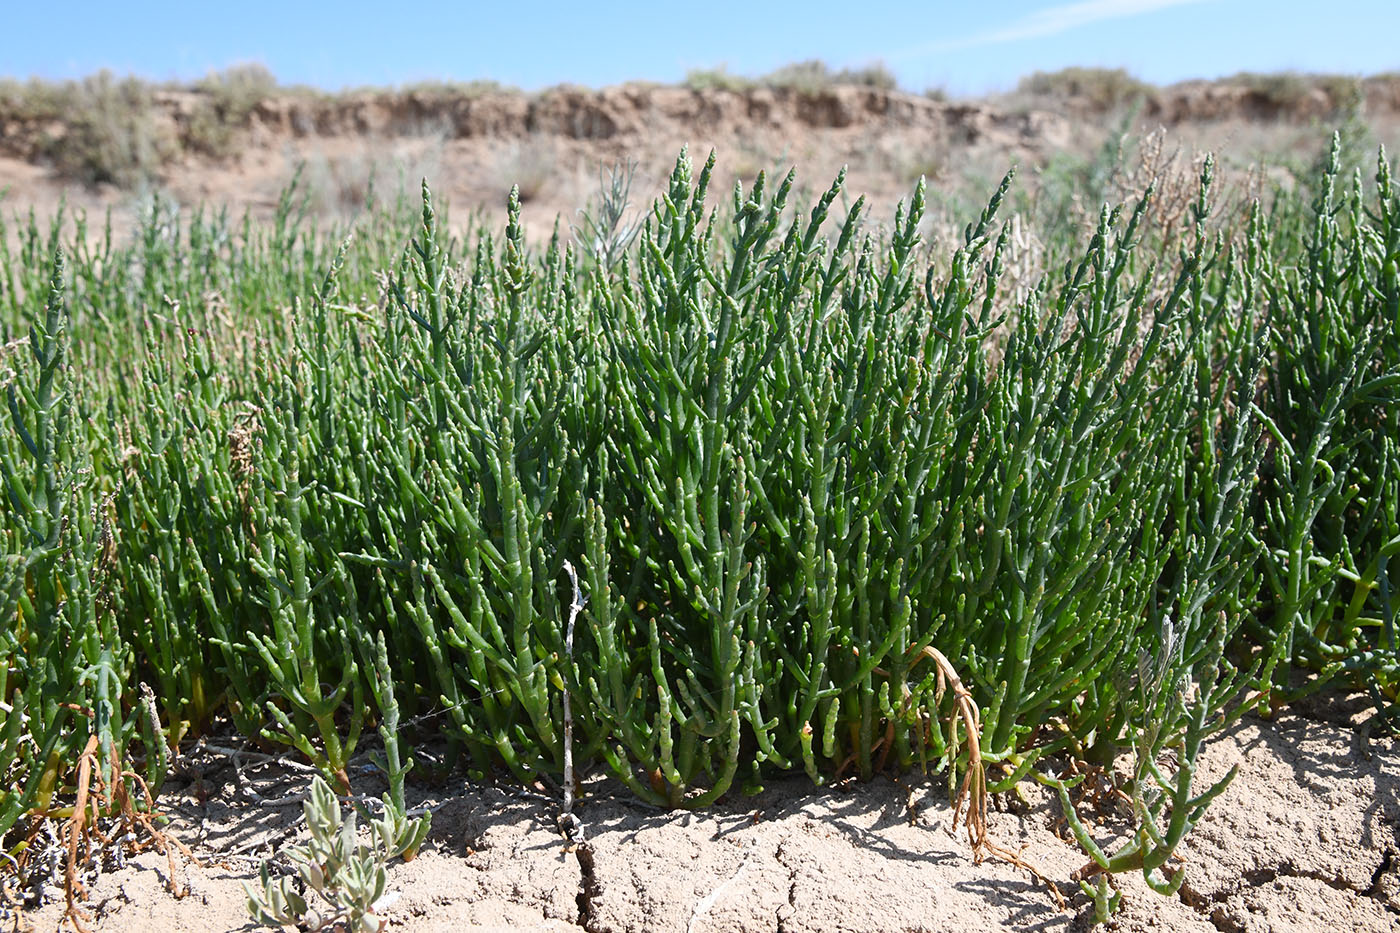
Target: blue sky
{"x":964,"y":47}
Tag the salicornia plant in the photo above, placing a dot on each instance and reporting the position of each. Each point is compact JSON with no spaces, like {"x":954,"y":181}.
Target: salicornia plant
{"x":836,"y":503}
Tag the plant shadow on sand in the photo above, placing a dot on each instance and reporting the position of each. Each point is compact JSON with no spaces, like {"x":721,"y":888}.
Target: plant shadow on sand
{"x":1299,"y":842}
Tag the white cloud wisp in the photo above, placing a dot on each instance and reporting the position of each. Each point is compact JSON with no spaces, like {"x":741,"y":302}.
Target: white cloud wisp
{"x":1048,"y":22}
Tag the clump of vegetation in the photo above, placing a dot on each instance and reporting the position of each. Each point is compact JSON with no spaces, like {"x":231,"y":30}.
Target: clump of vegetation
{"x":100,"y":130}
{"x":1332,"y":409}
{"x":604,"y":228}
{"x":813,"y":76}
{"x":475,"y":88}
{"x":1286,"y":92}
{"x":835,"y":508}
{"x":808,"y":77}
{"x":348,"y":878}
{"x":717,"y":79}
{"x":1100,"y":89}
{"x":228,"y":98}
{"x":109,"y":130}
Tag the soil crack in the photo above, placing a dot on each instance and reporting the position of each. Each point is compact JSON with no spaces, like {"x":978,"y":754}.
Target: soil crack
{"x":588,"y":888}
{"x":1373,"y":890}
{"x":1209,"y":905}
{"x":783,"y":916}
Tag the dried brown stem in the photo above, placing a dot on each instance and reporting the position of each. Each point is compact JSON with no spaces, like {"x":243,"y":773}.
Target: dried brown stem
{"x":973,"y":790}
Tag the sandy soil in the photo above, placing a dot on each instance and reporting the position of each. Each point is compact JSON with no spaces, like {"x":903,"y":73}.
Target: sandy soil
{"x":1305,"y":839}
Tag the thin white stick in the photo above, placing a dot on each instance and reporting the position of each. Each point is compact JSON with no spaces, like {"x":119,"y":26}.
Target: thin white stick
{"x":705,"y":903}
{"x":572,"y":826}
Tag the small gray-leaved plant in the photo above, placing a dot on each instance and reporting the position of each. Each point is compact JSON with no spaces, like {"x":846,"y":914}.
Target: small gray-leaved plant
{"x":349,"y":876}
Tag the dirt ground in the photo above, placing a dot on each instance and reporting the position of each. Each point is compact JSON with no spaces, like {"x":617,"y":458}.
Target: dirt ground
{"x":1305,"y":839}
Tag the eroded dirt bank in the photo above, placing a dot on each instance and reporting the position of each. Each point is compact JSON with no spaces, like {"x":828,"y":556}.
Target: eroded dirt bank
{"x":474,"y":147}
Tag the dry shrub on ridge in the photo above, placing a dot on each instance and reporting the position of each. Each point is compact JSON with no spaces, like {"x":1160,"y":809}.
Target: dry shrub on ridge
{"x":1100,"y":89}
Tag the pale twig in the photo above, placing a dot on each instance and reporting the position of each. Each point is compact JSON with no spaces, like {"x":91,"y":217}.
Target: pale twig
{"x":705,"y":903}
{"x":570,"y":824}
{"x":257,"y":758}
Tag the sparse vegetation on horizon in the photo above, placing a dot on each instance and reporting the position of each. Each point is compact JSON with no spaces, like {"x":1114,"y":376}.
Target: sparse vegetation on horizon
{"x":126,"y":132}
{"x":1279,"y":95}
{"x":1097,"y":88}
{"x":807,"y":77}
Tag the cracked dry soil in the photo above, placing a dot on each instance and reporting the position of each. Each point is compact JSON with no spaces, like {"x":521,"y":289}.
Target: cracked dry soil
{"x":1307,"y":838}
